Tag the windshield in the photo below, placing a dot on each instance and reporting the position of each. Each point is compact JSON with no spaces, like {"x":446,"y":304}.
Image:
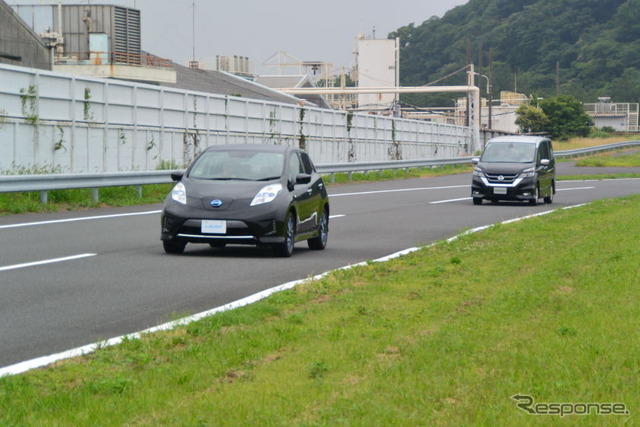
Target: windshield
{"x":238,"y":165}
{"x":509,"y":152}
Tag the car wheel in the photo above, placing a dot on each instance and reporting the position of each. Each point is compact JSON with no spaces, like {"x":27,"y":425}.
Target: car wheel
{"x":320,"y":241}
{"x":285,"y":249}
{"x":536,"y":196}
{"x":549,"y":198}
{"x":477,"y":200}
{"x":173,"y":247}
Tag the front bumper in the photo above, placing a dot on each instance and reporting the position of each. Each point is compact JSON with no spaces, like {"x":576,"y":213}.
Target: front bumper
{"x":520,"y":189}
{"x":261,"y":225}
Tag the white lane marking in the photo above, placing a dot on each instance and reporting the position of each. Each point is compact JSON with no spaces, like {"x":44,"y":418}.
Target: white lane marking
{"x":469,"y":198}
{"x":87,"y":218}
{"x":46,"y":261}
{"x":450,"y":200}
{"x":575,"y":188}
{"x":336,"y":216}
{"x":90,"y":348}
{"x":400,"y":190}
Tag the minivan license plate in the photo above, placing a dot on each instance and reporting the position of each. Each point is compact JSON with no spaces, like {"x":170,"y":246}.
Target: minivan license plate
{"x":499,"y":190}
{"x":210,"y":226}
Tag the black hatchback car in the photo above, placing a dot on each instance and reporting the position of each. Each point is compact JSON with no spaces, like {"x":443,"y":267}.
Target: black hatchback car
{"x":516,"y":167}
{"x":247,"y":194}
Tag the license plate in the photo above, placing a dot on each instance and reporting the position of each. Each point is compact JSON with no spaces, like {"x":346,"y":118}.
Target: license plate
{"x":499,"y":190}
{"x":211,"y":226}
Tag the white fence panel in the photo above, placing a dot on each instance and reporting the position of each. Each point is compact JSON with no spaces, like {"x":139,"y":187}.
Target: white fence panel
{"x":59,"y":123}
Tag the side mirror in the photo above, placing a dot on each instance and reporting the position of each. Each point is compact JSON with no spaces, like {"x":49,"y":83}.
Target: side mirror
{"x":177,"y":176}
{"x":303,"y":178}
{"x":545,"y":162}
{"x":475,"y":160}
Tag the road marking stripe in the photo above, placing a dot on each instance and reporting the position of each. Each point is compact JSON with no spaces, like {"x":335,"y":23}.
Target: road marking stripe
{"x":87,"y":218}
{"x":450,"y":200}
{"x":336,"y":216}
{"x":46,"y":261}
{"x":401,"y":190}
{"x":575,"y":188}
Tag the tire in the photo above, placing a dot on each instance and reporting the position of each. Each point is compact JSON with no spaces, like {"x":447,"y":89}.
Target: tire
{"x":319,"y":242}
{"x":536,"y":196}
{"x":285,"y":249}
{"x":549,"y":199}
{"x":173,"y":247}
{"x":477,"y":200}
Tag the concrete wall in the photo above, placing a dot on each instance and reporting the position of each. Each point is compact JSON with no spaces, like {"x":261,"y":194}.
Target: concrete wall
{"x":19,"y":45}
{"x":51,"y":122}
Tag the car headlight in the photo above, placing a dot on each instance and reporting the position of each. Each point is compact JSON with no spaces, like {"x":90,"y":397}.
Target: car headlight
{"x":267,"y":194}
{"x":528,"y":173}
{"x":478,"y":172}
{"x":179,"y":193}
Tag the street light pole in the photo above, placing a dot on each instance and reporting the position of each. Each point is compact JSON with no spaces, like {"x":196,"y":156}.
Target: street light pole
{"x":489,"y":94}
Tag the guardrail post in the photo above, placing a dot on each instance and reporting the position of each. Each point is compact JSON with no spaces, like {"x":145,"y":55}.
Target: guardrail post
{"x":44,"y":197}
{"x":94,"y":195}
{"x":139,"y":190}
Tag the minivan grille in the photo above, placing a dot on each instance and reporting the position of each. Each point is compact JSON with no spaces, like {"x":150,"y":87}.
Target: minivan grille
{"x":506,"y":179}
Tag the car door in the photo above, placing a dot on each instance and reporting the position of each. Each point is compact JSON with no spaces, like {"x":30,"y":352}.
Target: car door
{"x":545,"y":171}
{"x":302,"y":194}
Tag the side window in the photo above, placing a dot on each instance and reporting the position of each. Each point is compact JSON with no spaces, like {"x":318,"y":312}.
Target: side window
{"x":294,"y":167}
{"x":307,"y":165}
{"x":544,"y":149}
{"x":550,"y":150}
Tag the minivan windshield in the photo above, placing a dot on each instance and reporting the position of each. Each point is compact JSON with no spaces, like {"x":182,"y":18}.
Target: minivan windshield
{"x":509,"y":152}
{"x":238,"y":165}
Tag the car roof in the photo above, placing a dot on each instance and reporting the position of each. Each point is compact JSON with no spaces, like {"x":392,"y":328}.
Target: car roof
{"x":525,"y":139}
{"x":251,"y":147}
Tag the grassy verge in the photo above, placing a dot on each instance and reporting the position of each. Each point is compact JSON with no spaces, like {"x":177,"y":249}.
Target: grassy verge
{"x":596,"y":176}
{"x":445,"y":336}
{"x":624,"y":158}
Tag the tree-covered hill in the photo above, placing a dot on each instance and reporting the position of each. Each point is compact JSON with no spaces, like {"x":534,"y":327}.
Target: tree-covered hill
{"x":584,"y":48}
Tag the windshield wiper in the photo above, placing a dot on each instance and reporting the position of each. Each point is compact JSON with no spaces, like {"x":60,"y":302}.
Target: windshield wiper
{"x":269,"y":178}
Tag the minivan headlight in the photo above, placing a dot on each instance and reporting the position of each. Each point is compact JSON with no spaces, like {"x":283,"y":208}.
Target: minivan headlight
{"x":179,"y":193}
{"x":478,"y":172}
{"x":528,"y":173}
{"x":267,"y":194}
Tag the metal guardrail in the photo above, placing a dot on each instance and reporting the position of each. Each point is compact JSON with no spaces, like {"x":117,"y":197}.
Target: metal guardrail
{"x":49,"y":182}
{"x":599,"y":149}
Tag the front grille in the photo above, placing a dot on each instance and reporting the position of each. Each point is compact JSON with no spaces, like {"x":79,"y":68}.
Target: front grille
{"x":506,"y":178}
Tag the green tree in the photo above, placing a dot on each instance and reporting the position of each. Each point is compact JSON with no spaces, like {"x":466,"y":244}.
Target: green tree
{"x":567,"y":117}
{"x":531,"y":119}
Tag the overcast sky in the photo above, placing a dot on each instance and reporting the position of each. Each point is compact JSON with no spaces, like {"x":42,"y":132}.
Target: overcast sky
{"x":312,"y":31}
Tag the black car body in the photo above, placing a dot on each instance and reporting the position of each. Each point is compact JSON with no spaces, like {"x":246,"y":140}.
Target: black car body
{"x":516,"y":168}
{"x":247,"y":194}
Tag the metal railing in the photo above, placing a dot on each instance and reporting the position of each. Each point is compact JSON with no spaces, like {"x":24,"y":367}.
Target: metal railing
{"x":50,"y":182}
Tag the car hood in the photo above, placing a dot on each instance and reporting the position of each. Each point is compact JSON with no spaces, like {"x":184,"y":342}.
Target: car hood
{"x":504,"y":168}
{"x":201,"y":193}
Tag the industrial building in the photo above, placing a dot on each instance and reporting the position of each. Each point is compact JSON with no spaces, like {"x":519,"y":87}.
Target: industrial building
{"x":104,"y":41}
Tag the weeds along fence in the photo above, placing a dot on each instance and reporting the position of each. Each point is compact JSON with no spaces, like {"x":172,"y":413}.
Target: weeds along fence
{"x":55,"y":123}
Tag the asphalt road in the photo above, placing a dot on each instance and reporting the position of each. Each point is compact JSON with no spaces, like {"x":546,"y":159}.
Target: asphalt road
{"x":119,"y":280}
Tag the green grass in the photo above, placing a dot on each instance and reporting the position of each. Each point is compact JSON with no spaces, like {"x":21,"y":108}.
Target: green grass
{"x":444,"y":336}
{"x":626,"y":158}
{"x":393,"y":174}
{"x":596,"y":176}
{"x":61,"y":200}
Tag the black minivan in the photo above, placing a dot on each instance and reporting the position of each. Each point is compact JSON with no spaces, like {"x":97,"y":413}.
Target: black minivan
{"x":515,"y":167}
